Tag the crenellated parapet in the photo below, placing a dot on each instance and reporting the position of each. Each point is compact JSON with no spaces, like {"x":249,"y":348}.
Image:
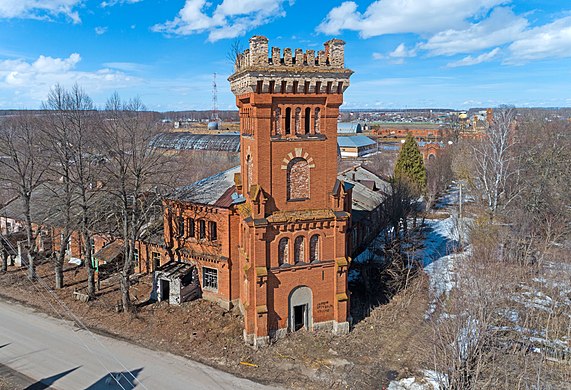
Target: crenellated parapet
{"x":260,"y":70}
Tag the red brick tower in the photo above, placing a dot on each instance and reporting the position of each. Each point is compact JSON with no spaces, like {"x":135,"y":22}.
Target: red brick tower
{"x":293,"y":235}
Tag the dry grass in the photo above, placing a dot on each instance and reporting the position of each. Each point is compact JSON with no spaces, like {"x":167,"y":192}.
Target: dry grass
{"x":385,"y":345}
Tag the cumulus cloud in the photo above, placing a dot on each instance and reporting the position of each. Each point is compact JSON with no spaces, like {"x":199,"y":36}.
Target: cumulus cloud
{"x":230,"y":19}
{"x":405,"y":16}
{"x":469,"y":60}
{"x":34,"y":79}
{"x":39,"y":9}
{"x":551,"y":40}
{"x":501,"y":27}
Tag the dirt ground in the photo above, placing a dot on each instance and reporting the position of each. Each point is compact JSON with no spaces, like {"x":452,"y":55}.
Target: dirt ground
{"x":389,"y":344}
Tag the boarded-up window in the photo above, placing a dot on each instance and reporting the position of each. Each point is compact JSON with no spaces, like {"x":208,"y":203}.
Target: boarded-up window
{"x":298,"y":179}
{"x":298,"y":120}
{"x":317,"y":119}
{"x":283,"y":251}
{"x":314,"y":248}
{"x":299,"y":249}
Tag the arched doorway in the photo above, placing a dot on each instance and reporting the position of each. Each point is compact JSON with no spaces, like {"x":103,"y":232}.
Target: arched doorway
{"x":300,"y":309}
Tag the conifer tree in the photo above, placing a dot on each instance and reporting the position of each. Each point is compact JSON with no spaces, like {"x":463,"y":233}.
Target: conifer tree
{"x":410,"y":166}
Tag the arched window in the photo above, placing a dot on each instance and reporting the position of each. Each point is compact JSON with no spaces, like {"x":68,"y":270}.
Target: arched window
{"x":307,"y":119}
{"x":314,"y":248}
{"x":299,"y":250}
{"x":316,"y":119}
{"x":298,"y":120}
{"x":298,"y":179}
{"x":278,"y":121}
{"x":288,"y":121}
{"x":283,"y":251}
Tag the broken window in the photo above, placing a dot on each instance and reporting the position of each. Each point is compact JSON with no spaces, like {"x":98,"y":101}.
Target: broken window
{"x":191,"y":232}
{"x":307,"y":119}
{"x":213,"y":232}
{"x":202,"y":229}
{"x":288,"y":120}
{"x":210,"y":279}
{"x":283,"y":251}
{"x":136,"y":256}
{"x":180,"y":226}
{"x":156,"y":260}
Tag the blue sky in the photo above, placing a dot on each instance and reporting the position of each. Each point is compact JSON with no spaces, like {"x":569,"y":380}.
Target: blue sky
{"x":405,"y":53}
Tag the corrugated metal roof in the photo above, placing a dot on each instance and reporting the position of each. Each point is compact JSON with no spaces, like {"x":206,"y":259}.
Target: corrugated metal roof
{"x":215,"y":190}
{"x":191,"y":141}
{"x":355,"y":141}
{"x":369,"y":189}
{"x":349,"y":127}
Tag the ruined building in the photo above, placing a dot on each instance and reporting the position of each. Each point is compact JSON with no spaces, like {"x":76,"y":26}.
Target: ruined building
{"x":271,"y":236}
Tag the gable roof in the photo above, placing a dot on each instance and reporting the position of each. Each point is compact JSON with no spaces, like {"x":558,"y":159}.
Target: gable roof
{"x":355,"y":141}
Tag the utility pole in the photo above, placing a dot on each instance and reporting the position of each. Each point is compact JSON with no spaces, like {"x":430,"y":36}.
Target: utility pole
{"x":460,"y":215}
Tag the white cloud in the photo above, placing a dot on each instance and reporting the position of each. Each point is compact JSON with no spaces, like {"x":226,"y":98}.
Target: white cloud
{"x":39,"y":9}
{"x":469,"y":60}
{"x":551,"y":40}
{"x":402,"y":52}
{"x":34,"y":79}
{"x":100,"y":30}
{"x":112,"y":3}
{"x":405,"y":16}
{"x":501,"y":27}
{"x":230,"y":19}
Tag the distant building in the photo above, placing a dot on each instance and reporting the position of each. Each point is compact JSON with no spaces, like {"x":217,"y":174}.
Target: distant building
{"x":349,"y":128}
{"x":190,"y":141}
{"x":356,"y":146}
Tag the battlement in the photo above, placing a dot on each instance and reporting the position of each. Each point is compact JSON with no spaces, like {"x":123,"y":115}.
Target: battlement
{"x":257,"y":56}
{"x":324,"y":72}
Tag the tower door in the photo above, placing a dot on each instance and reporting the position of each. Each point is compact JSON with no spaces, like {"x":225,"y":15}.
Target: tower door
{"x":300,"y":309}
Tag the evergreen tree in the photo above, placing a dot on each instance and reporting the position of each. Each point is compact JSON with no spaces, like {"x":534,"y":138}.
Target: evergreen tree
{"x":410,"y":166}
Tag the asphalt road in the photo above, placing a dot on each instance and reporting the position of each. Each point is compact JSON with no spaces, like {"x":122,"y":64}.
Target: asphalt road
{"x":55,"y":354}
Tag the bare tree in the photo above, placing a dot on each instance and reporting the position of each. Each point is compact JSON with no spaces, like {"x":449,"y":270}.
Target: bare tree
{"x":23,"y":166}
{"x":495,"y":160}
{"x":136,"y":175}
{"x":71,"y":120}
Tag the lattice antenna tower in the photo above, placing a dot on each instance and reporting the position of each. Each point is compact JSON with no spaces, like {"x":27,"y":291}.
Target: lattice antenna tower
{"x":215,"y":117}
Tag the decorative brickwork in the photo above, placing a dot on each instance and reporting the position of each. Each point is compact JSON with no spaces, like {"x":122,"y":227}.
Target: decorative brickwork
{"x":299,"y":250}
{"x":295,"y":216}
{"x":298,"y":179}
{"x":314,"y":248}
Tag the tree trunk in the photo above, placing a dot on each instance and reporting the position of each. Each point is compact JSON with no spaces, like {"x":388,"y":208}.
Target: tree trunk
{"x":31,"y":264}
{"x":59,"y":267}
{"x":4,"y":260}
{"x":125,"y":296}
{"x":88,"y":258}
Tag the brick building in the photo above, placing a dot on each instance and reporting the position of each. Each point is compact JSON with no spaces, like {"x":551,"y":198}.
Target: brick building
{"x":272,"y":235}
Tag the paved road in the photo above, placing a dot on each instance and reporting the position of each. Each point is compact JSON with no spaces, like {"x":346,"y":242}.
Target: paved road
{"x":58,"y":355}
